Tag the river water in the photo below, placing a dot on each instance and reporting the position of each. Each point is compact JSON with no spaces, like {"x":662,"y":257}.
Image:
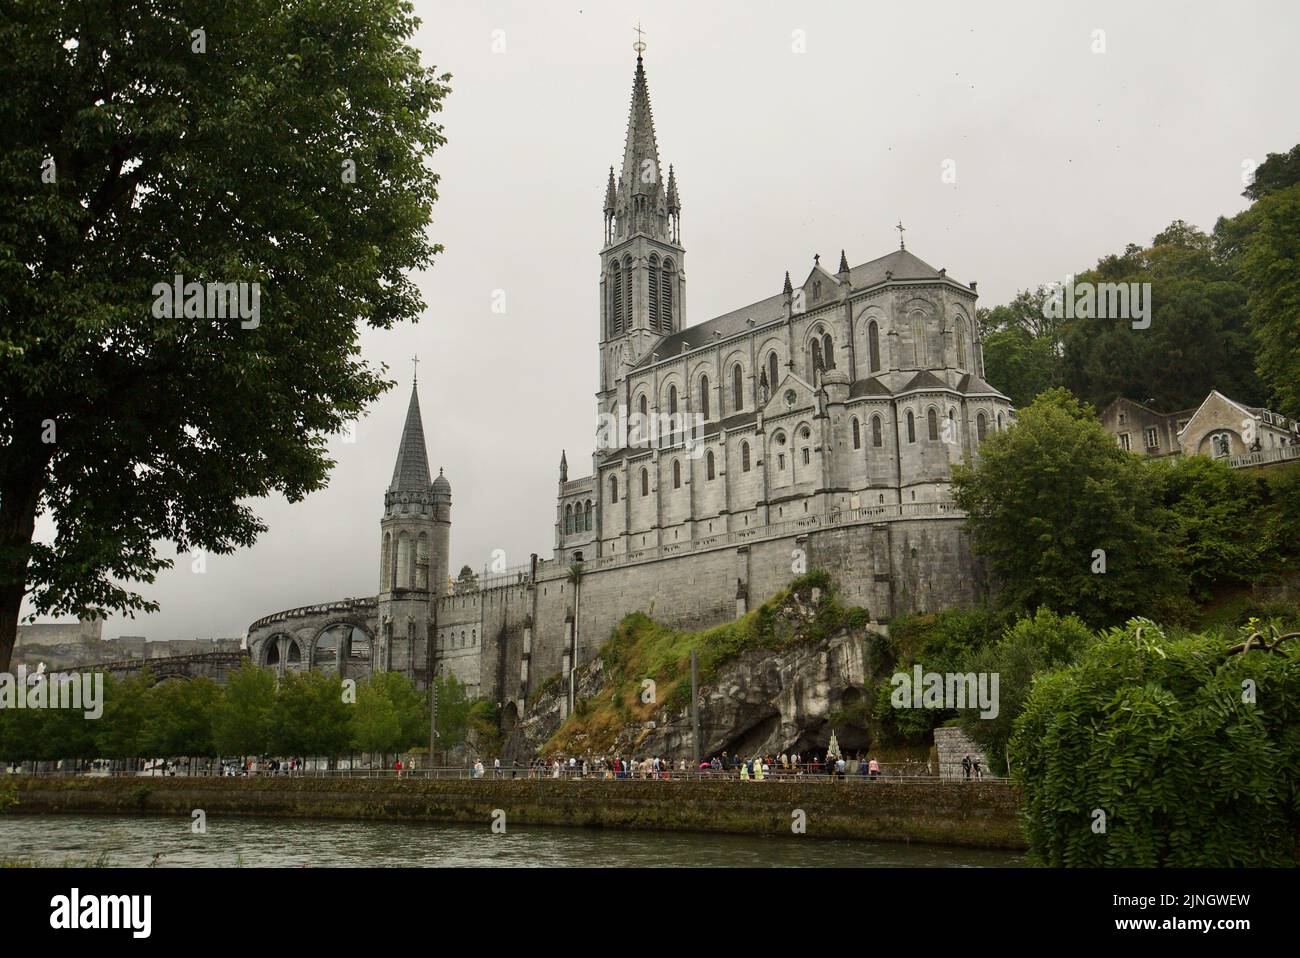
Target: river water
{"x":133,"y":841}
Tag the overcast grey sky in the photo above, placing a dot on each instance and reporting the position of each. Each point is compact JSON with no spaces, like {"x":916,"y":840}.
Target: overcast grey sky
{"x":1062,"y":155}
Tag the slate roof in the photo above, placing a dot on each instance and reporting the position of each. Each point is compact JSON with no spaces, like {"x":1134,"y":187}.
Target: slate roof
{"x":869,"y":387}
{"x":900,"y":263}
{"x":411,"y":471}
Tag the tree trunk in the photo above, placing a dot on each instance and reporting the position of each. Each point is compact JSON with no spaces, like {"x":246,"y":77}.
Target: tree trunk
{"x":22,"y":477}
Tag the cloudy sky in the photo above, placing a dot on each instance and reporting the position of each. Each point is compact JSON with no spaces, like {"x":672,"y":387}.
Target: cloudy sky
{"x":795,"y":129}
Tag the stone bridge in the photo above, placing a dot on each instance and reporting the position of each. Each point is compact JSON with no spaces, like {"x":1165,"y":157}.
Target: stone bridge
{"x":214,"y":665}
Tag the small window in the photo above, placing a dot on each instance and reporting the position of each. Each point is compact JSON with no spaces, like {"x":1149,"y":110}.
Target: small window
{"x":877,"y":438}
{"x":708,"y":464}
{"x":932,"y":424}
{"x":737,"y":388}
{"x":806,"y":458}
{"x":744,"y":457}
{"x":981,"y":427}
{"x":704,"y":397}
{"x":613,"y":488}
{"x":1153,"y":438}
{"x":1124,"y":442}
{"x":911,"y":426}
{"x":645,"y":482}
{"x":780,"y":461}
{"x":677,"y":473}
{"x":857,"y":434}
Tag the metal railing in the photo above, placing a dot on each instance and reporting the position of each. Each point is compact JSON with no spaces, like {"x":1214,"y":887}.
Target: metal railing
{"x":1263,"y":457}
{"x":893,"y":773}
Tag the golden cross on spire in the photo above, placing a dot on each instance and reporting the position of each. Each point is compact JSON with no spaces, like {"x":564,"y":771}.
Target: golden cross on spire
{"x":900,"y":227}
{"x":639,"y":46}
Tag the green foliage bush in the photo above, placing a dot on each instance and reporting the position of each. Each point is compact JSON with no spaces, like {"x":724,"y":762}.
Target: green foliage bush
{"x":1160,"y":735}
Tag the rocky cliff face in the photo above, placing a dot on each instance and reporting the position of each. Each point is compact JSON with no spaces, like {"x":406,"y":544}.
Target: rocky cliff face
{"x":764,"y":700}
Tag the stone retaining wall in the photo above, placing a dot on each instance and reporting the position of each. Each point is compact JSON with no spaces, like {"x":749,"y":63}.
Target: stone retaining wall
{"x":975,"y":815}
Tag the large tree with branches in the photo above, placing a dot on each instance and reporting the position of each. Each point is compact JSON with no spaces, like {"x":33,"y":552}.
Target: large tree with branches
{"x":282,"y":143}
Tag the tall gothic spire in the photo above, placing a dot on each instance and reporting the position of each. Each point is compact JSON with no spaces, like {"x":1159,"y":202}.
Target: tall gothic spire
{"x":641,"y":197}
{"x":641,"y":174}
{"x":411,"y":472}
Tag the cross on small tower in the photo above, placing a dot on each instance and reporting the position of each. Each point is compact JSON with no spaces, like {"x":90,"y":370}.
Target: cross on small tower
{"x":416,"y":361}
{"x":639,"y":46}
{"x":900,"y":229}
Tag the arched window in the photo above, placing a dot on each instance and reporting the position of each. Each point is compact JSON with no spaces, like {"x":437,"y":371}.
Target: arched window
{"x":568,"y":520}
{"x":627,"y":297}
{"x":613,"y":488}
{"x":737,"y":388}
{"x":857,"y":434}
{"x":828,"y":351}
{"x":744,"y":457}
{"x":708,"y":464}
{"x":643,"y":427}
{"x":772,"y":371}
{"x":653,"y":286}
{"x":877,"y":439}
{"x":918,"y":339}
{"x":677,"y":473}
{"x":999,"y":422}
{"x":815,"y":360}
{"x":616,"y":299}
{"x":873,"y":346}
{"x":932,"y":422}
{"x":645,"y":482}
{"x":981,"y":427}
{"x":911,"y":427}
{"x":672,"y":400}
{"x":666,"y":296}
{"x":961,"y":345}
{"x":587,"y":515}
{"x":704,"y":397}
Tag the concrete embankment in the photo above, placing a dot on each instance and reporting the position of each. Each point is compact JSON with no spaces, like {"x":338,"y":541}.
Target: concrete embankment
{"x":976,"y":814}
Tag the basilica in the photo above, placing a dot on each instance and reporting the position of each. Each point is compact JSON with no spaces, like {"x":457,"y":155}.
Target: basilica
{"x":821,"y":420}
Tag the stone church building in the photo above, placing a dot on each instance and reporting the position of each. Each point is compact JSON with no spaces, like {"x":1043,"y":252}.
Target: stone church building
{"x":814,"y":428}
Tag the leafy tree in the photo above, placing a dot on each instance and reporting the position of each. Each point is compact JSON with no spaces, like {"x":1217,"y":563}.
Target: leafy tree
{"x":1278,"y":172}
{"x":939,"y":642}
{"x":1271,"y":269}
{"x":1198,"y":339}
{"x":1049,"y":492}
{"x":376,"y":722}
{"x":241,"y":723}
{"x":1190,"y":750}
{"x":259,"y":142}
{"x":453,"y":713}
{"x":1033,"y":645}
{"x":1217,"y":522}
{"x":120,"y":732}
{"x":309,"y":716}
{"x":180,"y":718}
{"x":1020,"y":364}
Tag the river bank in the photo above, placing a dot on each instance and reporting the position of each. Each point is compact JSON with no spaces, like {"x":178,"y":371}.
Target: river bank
{"x":969,"y":815}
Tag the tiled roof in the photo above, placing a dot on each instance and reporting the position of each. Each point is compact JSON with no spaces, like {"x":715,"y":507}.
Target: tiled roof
{"x":411,"y":471}
{"x":900,"y":263}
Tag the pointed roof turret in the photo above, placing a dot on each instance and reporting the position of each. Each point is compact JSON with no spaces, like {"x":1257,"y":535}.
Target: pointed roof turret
{"x":564,"y":467}
{"x":610,"y":194}
{"x":788,"y":289}
{"x":844,"y":263}
{"x":411,"y":472}
{"x":674,"y":201}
